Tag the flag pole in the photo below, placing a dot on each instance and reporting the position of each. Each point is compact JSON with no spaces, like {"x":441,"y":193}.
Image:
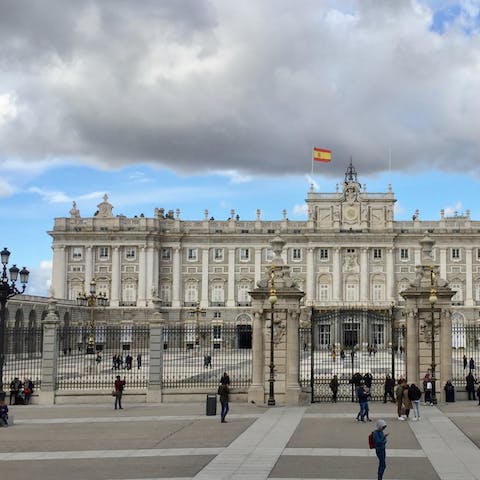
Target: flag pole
{"x":312,"y":161}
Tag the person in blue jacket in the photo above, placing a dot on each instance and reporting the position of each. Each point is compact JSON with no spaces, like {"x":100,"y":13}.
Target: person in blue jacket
{"x":380,"y":439}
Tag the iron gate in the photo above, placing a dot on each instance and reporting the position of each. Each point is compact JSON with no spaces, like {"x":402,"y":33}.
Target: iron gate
{"x":354,"y":345}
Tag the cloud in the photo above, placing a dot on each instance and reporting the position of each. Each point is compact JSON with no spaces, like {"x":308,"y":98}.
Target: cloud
{"x":300,"y":210}
{"x":40,"y":279}
{"x":245,"y":87}
{"x":455,"y":210}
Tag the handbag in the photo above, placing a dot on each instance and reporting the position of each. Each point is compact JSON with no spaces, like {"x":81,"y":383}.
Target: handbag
{"x":115,"y":393}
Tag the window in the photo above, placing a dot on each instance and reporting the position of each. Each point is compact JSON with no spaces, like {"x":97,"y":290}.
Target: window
{"x":378,"y":292}
{"x":244,"y":254}
{"x":129,"y":293}
{"x":217,"y":314}
{"x":166,"y":253}
{"x":351,"y":291}
{"x":191,"y":292}
{"x":243,"y":295}
{"x":130,"y":253}
{"x":296,"y":254}
{"x":217,"y":332}
{"x":269,"y":255}
{"x":457,"y":287}
{"x":378,"y":337}
{"x":77,"y":253}
{"x":350,"y":250}
{"x":377,"y":253}
{"x":324,"y":335}
{"x":324,"y":292}
{"x":192,"y":254}
{"x":404,"y":254}
{"x":165,"y":293}
{"x":324,"y":254}
{"x":218,"y":254}
{"x":218,"y":293}
{"x":103,"y":253}
{"x":455,"y":253}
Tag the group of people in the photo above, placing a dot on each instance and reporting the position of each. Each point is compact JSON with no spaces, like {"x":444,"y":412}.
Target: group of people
{"x":21,"y":392}
{"x":118,"y":363}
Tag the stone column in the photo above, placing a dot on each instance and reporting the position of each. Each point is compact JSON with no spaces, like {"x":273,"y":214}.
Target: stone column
{"x":468,"y":278}
{"x":364,"y":274}
{"x":390,"y":277}
{"x":59,"y":272}
{"x":176,"y":277}
{"x":204,"y":292}
{"x":310,"y":286}
{"x":258,"y":264}
{"x":231,"y":278}
{"x":293,"y":390}
{"x":142,"y":278}
{"x":336,"y":275}
{"x":48,"y":374}
{"x":155,"y":373}
{"x":445,"y":350}
{"x":115,"y":292}
{"x":412,"y":347}
{"x":88,"y":268}
{"x":256,"y":392}
{"x":443,"y":262}
{"x":149,"y":266}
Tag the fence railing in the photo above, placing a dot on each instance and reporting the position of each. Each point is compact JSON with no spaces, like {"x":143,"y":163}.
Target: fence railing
{"x":23,"y":354}
{"x":197,"y":357}
{"x":465,"y":353}
{"x":119,"y":350}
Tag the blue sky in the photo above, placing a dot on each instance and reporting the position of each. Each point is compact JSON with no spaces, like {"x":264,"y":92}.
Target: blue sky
{"x":212,"y":104}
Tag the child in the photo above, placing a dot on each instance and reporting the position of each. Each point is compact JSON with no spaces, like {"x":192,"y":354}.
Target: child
{"x":380,"y":439}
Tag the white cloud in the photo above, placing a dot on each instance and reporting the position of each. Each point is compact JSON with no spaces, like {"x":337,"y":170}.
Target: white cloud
{"x":40,"y":279}
{"x":455,"y":210}
{"x":8,"y":108}
{"x":300,"y":210}
{"x":312,"y":182}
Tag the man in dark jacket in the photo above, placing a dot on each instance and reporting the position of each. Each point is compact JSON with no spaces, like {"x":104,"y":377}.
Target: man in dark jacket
{"x":470,"y":387}
{"x":415,"y":394}
{"x":388,"y":387}
{"x":223,"y":391}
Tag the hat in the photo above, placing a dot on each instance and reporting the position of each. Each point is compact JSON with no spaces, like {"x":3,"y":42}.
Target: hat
{"x":381,"y":424}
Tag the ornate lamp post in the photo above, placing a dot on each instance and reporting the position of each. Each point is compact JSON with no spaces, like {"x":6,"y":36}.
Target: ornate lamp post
{"x":91,"y":301}
{"x":273,"y":300}
{"x":8,"y":289}
{"x":433,"y":300}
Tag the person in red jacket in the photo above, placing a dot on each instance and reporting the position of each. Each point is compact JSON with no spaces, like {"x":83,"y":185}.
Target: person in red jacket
{"x":119,"y":386}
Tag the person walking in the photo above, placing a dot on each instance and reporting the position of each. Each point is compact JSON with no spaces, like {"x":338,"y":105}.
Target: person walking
{"x":334,"y":388}
{"x":118,"y":390}
{"x":362,"y":396}
{"x":3,"y":414}
{"x":380,"y":440}
{"x":471,"y":364}
{"x":224,"y":391}
{"x":407,"y":403}
{"x":139,"y":361}
{"x":388,"y":387}
{"x":427,"y":388}
{"x":470,"y":387}
{"x":414,"y":394}
{"x":225,"y":380}
{"x":465,"y":362}
{"x":399,"y":398}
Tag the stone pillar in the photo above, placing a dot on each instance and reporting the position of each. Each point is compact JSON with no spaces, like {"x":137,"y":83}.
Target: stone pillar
{"x":256,"y":392}
{"x":390,"y":277}
{"x":150,"y":287}
{"x":88,"y":268}
{"x":48,"y":374}
{"x":204,"y":291}
{"x":310,"y":286}
{"x":445,"y":370}
{"x":468,"y":278}
{"x":176,"y":277}
{"x":412,"y":348}
{"x":364,"y":275}
{"x":258,"y":264}
{"x":142,"y":278}
{"x":155,"y":373}
{"x":59,"y":272}
{"x":115,"y":288}
{"x":231,"y":278}
{"x":285,"y":314}
{"x":336,"y":275}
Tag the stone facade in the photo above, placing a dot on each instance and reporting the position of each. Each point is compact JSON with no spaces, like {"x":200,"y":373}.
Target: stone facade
{"x":350,"y":252}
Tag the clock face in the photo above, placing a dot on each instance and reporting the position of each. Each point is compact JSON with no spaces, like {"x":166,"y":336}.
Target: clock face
{"x":350,"y":213}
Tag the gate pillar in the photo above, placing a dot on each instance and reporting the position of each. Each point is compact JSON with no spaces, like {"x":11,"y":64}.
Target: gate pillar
{"x":276,"y":306}
{"x":429,"y":326}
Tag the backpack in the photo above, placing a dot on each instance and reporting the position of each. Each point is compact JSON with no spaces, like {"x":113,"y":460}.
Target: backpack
{"x":371,"y":441}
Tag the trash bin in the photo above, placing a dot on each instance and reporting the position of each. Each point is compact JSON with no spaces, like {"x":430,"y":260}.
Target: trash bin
{"x":211,"y":404}
{"x":449,"y":393}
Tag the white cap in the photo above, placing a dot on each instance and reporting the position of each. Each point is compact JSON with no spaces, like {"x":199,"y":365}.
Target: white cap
{"x":380,"y":424}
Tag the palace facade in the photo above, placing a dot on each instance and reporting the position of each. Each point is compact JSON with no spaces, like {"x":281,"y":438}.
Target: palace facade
{"x":350,"y":253}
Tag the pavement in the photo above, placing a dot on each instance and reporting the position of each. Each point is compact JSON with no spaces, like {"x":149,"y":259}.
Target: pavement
{"x":178,"y":441}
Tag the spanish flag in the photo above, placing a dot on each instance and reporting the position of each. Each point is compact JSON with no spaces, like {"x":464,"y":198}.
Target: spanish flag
{"x":322,"y":155}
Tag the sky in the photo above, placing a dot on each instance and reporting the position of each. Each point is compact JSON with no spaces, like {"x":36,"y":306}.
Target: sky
{"x":217,"y":104}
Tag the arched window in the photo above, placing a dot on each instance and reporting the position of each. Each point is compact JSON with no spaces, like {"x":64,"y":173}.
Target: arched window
{"x":323,"y":288}
{"x":457,"y":286}
{"x":351,"y":289}
{"x":458,"y":330}
{"x":378,"y":288}
{"x":243,"y":297}
{"x":218,"y":293}
{"x":191,"y":291}
{"x":129,"y":292}
{"x":165,"y":292}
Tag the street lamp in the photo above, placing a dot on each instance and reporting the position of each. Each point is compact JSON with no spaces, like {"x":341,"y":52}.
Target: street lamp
{"x":8,"y":289}
{"x":433,"y":300}
{"x":272,"y":300}
{"x":91,"y":301}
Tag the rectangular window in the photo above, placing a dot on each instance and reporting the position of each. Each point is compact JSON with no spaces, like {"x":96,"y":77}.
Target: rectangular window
{"x":268,"y":255}
{"x":296,"y":253}
{"x":457,"y":287}
{"x":217,"y":314}
{"x":103,"y":253}
{"x":192,"y":254}
{"x":218,"y":254}
{"x":455,"y":253}
{"x":217,"y":332}
{"x":352,"y":292}
{"x":130,"y":253}
{"x":378,"y":292}
{"x":404,"y":254}
{"x":378,"y":334}
{"x":244,"y":254}
{"x":77,"y":253}
{"x":324,"y":254}
{"x":323,"y":292}
{"x":377,"y":253}
{"x":166,"y":254}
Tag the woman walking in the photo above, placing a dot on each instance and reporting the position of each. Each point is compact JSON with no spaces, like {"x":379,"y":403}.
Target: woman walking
{"x":380,"y":440}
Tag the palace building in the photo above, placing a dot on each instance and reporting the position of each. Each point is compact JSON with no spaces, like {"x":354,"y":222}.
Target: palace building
{"x":350,"y":255}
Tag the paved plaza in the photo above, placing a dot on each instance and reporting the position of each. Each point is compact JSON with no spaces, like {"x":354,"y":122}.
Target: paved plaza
{"x":178,"y":441}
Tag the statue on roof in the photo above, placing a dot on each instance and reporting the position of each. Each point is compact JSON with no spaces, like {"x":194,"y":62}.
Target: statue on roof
{"x":105,"y":208}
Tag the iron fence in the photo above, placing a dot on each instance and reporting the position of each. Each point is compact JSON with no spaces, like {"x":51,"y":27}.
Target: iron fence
{"x":197,"y":357}
{"x":23,"y":354}
{"x":119,"y":350}
{"x":465,"y":353}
